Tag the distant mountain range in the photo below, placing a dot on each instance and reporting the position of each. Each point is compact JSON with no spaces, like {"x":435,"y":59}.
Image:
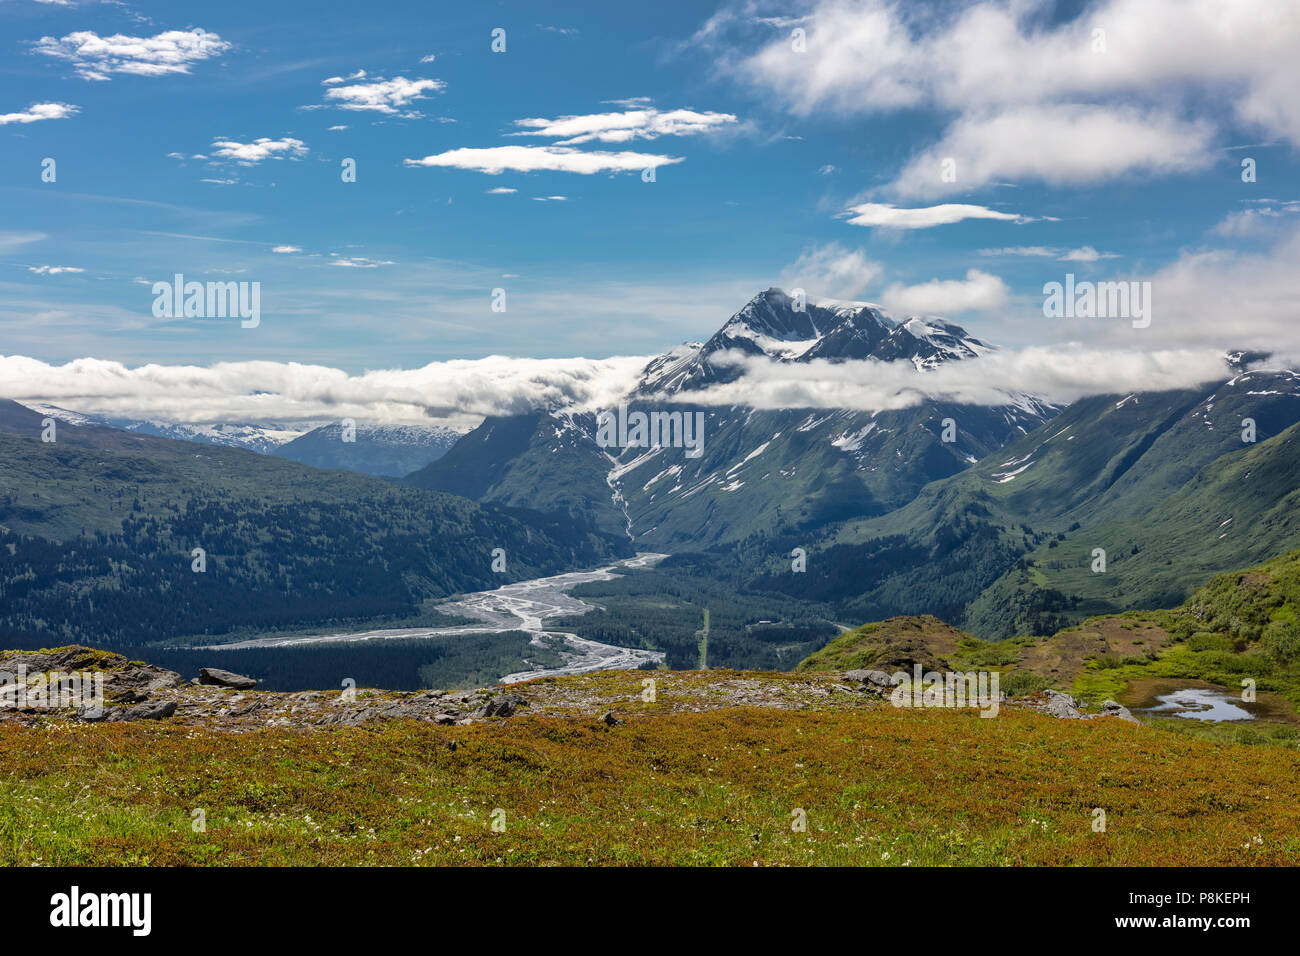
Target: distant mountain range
{"x":386,"y":450}
{"x":989,"y":517}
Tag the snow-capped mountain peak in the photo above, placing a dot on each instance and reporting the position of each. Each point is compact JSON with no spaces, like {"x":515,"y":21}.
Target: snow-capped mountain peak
{"x":834,"y":330}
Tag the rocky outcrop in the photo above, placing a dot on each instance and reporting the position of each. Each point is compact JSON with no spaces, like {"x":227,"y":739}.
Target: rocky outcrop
{"x":1066,"y":707}
{"x":134,"y":691}
{"x":216,"y":677}
{"x":872,"y":679}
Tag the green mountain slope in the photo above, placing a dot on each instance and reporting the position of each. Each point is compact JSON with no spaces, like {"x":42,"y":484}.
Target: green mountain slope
{"x":539,"y":461}
{"x":98,"y":527}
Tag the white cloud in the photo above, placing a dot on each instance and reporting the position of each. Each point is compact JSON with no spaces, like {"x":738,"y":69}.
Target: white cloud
{"x":429,"y":59}
{"x":39,"y":111}
{"x":250,"y":154}
{"x":831,"y":270}
{"x":498,"y":159}
{"x":329,"y":81}
{"x":1056,"y":144}
{"x":287,"y":249}
{"x":290,"y":391}
{"x":1059,"y":374}
{"x":647,"y":123}
{"x":390,"y":97}
{"x":53,"y":270}
{"x":1021,"y":251}
{"x":550,"y":198}
{"x":980,"y":291}
{"x":1082,"y":254}
{"x":869,"y":56}
{"x":501,"y":191}
{"x":891,"y":217}
{"x":13,"y":240}
{"x":1256,"y":221}
{"x":1231,"y":298}
{"x":336,"y":129}
{"x":1086,"y":254}
{"x":96,"y":58}
{"x":358,"y":262}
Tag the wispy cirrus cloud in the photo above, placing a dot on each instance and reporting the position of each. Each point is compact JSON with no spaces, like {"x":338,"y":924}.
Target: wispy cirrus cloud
{"x":1081,"y":254}
{"x":494,"y":160}
{"x":53,"y":270}
{"x":40,"y":111}
{"x":96,"y":57}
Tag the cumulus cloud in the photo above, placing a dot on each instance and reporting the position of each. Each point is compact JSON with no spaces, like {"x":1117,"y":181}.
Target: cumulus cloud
{"x":648,"y":123}
{"x":888,"y":216}
{"x":250,"y":154}
{"x":868,"y":56}
{"x":376,"y":94}
{"x":980,"y":291}
{"x":1233,"y":298}
{"x":1255,"y":221}
{"x":97,"y":58}
{"x":39,"y":111}
{"x":528,"y":159}
{"x":1058,"y":145}
{"x":831,"y":270}
{"x":288,"y":391}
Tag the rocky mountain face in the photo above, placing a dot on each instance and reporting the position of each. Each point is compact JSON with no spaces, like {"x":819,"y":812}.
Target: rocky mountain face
{"x":768,"y":472}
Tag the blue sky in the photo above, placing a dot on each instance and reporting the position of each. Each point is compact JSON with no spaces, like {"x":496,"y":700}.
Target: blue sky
{"x":1122,"y":163}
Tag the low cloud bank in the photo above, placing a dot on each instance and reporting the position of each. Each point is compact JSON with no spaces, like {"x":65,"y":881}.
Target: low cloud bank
{"x":464,"y":391}
{"x":1059,"y":374}
{"x":289,"y":391}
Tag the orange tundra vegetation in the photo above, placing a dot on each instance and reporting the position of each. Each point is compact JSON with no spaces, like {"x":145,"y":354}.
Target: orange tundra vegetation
{"x":885,"y":787}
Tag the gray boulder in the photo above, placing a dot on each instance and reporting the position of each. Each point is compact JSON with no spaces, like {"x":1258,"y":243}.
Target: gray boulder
{"x":506,"y":706}
{"x":216,"y":677}
{"x":149,"y":710}
{"x":1062,"y":705}
{"x":1114,"y":709}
